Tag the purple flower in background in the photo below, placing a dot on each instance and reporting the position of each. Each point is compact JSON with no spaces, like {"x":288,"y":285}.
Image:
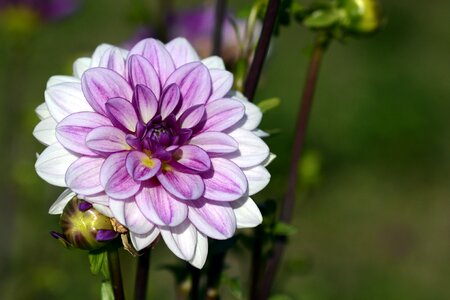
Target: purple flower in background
{"x":46,"y":9}
{"x":197,"y":25}
{"x":156,"y":138}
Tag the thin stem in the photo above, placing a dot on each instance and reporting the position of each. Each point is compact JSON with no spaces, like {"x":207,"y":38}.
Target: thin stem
{"x":261,"y":49}
{"x":195,"y":283}
{"x":255,"y":271}
{"x":164,"y":7}
{"x":214,"y":275}
{"x":116,"y":276}
{"x":142,"y":273}
{"x":221,"y":7}
{"x":287,"y":207}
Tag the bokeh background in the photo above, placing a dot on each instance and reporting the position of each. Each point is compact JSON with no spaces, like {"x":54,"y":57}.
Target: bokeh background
{"x":373,"y":205}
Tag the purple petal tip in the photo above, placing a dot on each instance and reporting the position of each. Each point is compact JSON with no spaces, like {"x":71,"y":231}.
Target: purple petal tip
{"x":84,"y":206}
{"x":105,"y":235}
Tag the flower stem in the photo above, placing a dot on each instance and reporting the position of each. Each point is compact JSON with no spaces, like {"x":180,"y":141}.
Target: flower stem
{"x":116,"y":276}
{"x":221,"y":8}
{"x":195,"y":283}
{"x":214,"y":275}
{"x":261,"y":49}
{"x":142,"y":273}
{"x":287,"y":206}
{"x":255,"y":271}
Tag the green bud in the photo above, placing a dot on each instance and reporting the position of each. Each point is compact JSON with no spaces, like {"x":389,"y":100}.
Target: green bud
{"x":84,"y":227}
{"x":362,"y":16}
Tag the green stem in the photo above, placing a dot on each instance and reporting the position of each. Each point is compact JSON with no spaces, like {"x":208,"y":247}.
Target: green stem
{"x":287,"y":206}
{"x":116,"y":275}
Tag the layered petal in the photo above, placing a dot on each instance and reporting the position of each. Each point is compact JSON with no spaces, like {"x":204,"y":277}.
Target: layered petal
{"x":155,"y":52}
{"x":100,"y":84}
{"x":222,"y":114}
{"x":115,"y":178}
{"x":194,"y":82}
{"x":142,"y":72}
{"x":58,"y":206}
{"x":193,"y":158}
{"x":45,"y":131}
{"x":252,"y":150}
{"x":222,"y":81}
{"x":181,"y":51}
{"x":181,"y":239}
{"x":157,"y":205}
{"x":169,"y":100}
{"x":247,"y":213}
{"x":215,"y":142}
{"x":141,"y":241}
{"x":83,"y":175}
{"x":214,"y":219}
{"x":71,"y":132}
{"x":145,"y":102}
{"x":258,"y":178}
{"x":201,"y":251}
{"x":53,"y":163}
{"x":64,"y":99}
{"x":142,"y":167}
{"x":225,"y":182}
{"x":107,"y":139}
{"x":121,"y":112}
{"x":181,"y":185}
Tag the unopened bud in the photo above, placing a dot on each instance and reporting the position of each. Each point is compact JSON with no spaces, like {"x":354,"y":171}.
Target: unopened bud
{"x":84,"y":227}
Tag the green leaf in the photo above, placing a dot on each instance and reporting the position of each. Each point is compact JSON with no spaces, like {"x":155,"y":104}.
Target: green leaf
{"x":322,"y":18}
{"x":282,"y":228}
{"x":107,"y":291}
{"x":269,"y":104}
{"x":98,"y":261}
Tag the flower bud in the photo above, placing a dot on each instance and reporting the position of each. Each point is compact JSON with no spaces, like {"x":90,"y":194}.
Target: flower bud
{"x":362,"y":16}
{"x":84,"y":227}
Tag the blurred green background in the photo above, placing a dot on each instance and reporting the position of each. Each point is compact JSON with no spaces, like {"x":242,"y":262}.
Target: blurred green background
{"x":373,"y":204}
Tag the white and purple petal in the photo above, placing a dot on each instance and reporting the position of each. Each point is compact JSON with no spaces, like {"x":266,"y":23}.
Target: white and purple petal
{"x":214,"y":219}
{"x":157,"y":205}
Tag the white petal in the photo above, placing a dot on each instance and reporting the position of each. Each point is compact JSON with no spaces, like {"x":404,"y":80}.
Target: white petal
{"x":258,"y":177}
{"x":81,"y":65}
{"x":64,"y":99}
{"x":101,"y":198}
{"x":42,"y":111}
{"x":44,"y":131}
{"x":260,"y":133}
{"x":252,"y":150}
{"x":54,"y":80}
{"x":253,"y":114}
{"x":214,"y":62}
{"x":103,"y":209}
{"x":98,"y":53}
{"x":201,"y":251}
{"x":181,"y":240}
{"x":140,"y":241}
{"x":58,"y":207}
{"x":247,"y":213}
{"x":53,"y":163}
{"x":268,"y":160}
{"x":118,"y":210}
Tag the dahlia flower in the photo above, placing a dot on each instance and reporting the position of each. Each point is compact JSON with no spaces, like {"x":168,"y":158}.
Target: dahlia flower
{"x":156,"y":139}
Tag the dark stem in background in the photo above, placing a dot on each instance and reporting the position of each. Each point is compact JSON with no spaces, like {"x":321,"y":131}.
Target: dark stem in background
{"x":164,"y":9}
{"x":221,"y":8}
{"x":214,"y":275}
{"x":255,"y":269}
{"x":287,"y":206}
{"x":142,"y":272}
{"x":195,"y":281}
{"x":116,"y":275}
{"x":261,"y":49}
